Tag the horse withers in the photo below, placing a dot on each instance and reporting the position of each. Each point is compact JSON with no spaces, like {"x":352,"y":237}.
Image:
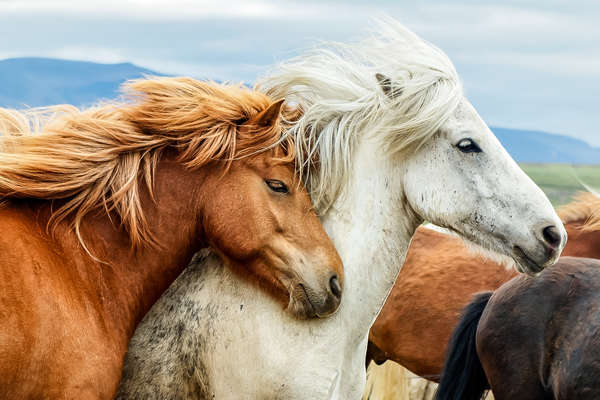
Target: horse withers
{"x":103,"y":208}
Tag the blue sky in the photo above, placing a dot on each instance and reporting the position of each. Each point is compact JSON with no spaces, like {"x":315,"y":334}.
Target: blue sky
{"x":525,"y":64}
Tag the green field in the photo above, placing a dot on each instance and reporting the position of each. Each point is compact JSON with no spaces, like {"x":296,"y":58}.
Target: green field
{"x":562,"y":181}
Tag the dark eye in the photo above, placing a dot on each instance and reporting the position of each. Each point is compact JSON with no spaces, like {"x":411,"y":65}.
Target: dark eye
{"x":468,"y":146}
{"x":277,"y":186}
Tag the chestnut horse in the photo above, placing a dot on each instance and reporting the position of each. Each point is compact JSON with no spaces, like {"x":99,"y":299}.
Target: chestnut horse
{"x":439,"y":278}
{"x":104,"y":208}
{"x":533,"y":338}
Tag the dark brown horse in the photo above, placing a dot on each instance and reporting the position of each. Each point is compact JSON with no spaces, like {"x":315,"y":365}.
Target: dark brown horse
{"x":533,"y":338}
{"x":439,"y":278}
{"x":103,"y":209}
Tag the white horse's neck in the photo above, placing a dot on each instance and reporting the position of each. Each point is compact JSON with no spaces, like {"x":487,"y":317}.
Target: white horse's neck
{"x":371,"y":226}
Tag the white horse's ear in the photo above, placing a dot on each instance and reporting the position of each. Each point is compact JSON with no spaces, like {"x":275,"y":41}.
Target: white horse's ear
{"x":386,"y":85}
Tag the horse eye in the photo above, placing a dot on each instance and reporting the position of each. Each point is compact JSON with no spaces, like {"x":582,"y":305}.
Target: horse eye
{"x":277,"y":186}
{"x":468,"y":146}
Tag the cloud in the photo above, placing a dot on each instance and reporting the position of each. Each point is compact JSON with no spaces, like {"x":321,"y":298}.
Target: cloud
{"x":565,"y":63}
{"x":526,"y":63}
{"x":181,"y":9}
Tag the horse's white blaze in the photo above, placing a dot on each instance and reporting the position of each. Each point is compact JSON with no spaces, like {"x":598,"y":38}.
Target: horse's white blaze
{"x":385,"y":165}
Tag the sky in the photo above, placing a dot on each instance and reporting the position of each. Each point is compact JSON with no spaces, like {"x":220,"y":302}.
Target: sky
{"x":524,"y":64}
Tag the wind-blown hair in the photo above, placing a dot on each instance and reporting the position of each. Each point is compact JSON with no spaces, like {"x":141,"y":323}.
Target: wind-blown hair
{"x":100,"y":157}
{"x":585,"y":208}
{"x":336,"y":90}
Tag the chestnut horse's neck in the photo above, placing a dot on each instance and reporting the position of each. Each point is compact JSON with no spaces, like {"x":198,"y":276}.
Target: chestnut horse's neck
{"x":581,"y":242}
{"x":124,"y":283}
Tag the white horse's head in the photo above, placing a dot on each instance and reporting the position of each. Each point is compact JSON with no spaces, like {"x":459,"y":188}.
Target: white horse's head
{"x":464,"y":180}
{"x":456,"y":174}
{"x":401,"y":99}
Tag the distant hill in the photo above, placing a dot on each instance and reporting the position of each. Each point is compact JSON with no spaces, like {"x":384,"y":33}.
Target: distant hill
{"x":32,"y":82}
{"x":542,"y":147}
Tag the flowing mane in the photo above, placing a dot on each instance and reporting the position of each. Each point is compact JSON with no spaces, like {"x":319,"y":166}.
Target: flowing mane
{"x":99,"y":157}
{"x":337,"y":92}
{"x":586,"y":208}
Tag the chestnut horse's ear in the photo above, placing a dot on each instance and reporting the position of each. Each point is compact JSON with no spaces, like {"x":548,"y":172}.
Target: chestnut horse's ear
{"x":269,"y":116}
{"x":386,"y":85}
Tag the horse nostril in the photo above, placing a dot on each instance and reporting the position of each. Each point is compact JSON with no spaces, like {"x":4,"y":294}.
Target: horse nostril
{"x":552,"y":235}
{"x":334,"y":284}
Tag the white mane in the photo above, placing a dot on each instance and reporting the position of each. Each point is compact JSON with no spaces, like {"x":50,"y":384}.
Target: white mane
{"x":335,"y":87}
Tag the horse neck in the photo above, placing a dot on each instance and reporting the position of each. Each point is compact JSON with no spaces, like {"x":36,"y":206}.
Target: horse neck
{"x":130,"y":281}
{"x":581,"y":243}
{"x":371,"y":225}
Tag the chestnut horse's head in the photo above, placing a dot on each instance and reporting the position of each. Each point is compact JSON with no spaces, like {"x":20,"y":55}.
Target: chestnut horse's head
{"x":259,"y":216}
{"x":251,"y":207}
{"x":254,"y":211}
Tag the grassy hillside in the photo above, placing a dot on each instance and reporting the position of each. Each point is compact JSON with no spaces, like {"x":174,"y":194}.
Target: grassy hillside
{"x":541,"y":147}
{"x":562,"y":181}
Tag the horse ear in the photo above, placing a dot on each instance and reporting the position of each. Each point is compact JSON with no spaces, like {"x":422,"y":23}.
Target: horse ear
{"x":386,"y":85}
{"x":269,"y":116}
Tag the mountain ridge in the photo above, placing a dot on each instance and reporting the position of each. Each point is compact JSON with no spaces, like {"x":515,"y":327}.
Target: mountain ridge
{"x":37,"y":81}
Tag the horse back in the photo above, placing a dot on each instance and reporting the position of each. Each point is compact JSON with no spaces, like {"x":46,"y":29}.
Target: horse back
{"x":537,"y":336}
{"x":575,"y":366}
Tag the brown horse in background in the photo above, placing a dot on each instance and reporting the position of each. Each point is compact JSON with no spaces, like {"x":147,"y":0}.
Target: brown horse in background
{"x":439,"y":278}
{"x":533,"y":338}
{"x":102,"y":209}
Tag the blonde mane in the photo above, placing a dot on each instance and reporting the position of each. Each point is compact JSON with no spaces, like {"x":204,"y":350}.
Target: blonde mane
{"x":584,"y":208}
{"x":101,"y":157}
{"x":337,"y":92}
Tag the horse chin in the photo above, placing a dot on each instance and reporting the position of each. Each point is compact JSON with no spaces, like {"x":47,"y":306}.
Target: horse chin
{"x":303,"y":307}
{"x":525,"y":264}
{"x":299,"y":304}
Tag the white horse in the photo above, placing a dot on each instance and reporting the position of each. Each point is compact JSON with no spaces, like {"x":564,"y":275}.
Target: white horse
{"x":386,"y":140}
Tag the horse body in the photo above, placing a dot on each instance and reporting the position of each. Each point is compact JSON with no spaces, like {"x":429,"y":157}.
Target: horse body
{"x":381,"y":155}
{"x":74,"y":283}
{"x":438,"y":279}
{"x":548,"y":326}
